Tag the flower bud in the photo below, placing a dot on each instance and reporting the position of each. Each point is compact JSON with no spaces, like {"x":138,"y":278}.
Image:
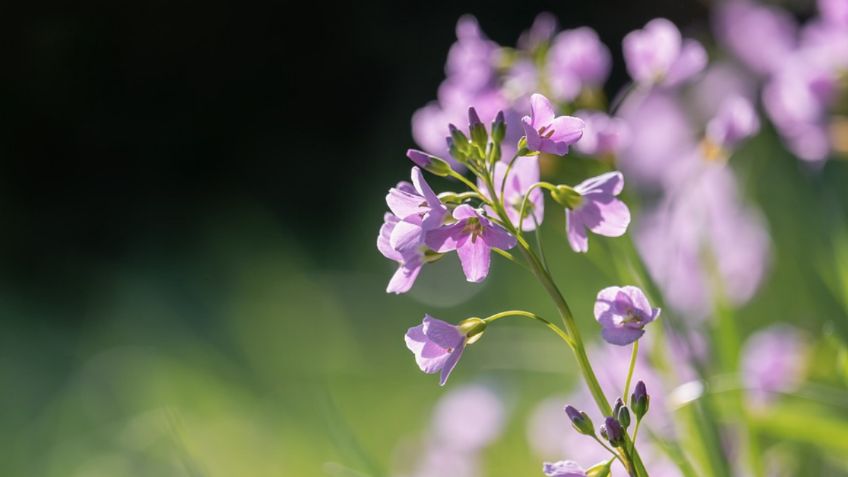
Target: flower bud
{"x":472,"y":328}
{"x":431,"y":164}
{"x":580,"y":420}
{"x":498,"y":128}
{"x":460,"y":141}
{"x":601,"y":469}
{"x":624,"y":417}
{"x":640,"y":400}
{"x":479,"y":136}
{"x":567,"y":196}
{"x":614,"y":431}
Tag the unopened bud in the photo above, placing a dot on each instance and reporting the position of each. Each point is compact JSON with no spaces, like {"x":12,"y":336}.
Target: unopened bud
{"x":479,"y":136}
{"x":567,"y":196}
{"x":499,"y":128}
{"x":615,"y":433}
{"x":580,"y":420}
{"x":599,"y":470}
{"x":429,"y":163}
{"x":624,"y":417}
{"x":460,"y":141}
{"x":640,"y":400}
{"x":472,"y":328}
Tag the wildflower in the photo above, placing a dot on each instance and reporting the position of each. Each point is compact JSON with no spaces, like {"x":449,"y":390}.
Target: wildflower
{"x":473,"y":236}
{"x":563,"y":468}
{"x":761,"y":36}
{"x":657,"y":54}
{"x":736,"y":120}
{"x":437,"y":346}
{"x":580,"y":420}
{"x":523,"y":175}
{"x":577,"y":60}
{"x":468,"y":418}
{"x":773,"y":361}
{"x":640,"y":400}
{"x":622,"y":313}
{"x":602,"y":135}
{"x":419,"y":210}
{"x":546,"y":132}
{"x":409,"y":261}
{"x":593,"y":205}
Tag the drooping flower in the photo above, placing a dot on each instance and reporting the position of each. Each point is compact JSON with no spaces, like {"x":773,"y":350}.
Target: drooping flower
{"x":437,"y":346}
{"x":419,"y":210}
{"x":593,"y":205}
{"x":409,"y":261}
{"x":563,"y":468}
{"x":602,"y":135}
{"x":524,"y":173}
{"x":657,"y":54}
{"x":773,"y":361}
{"x":736,"y":120}
{"x":623,"y":313}
{"x":577,"y":60}
{"x":473,"y":236}
{"x":547,"y":132}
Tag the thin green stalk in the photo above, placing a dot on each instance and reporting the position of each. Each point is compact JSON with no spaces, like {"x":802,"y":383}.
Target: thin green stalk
{"x":526,"y":314}
{"x":630,"y":371}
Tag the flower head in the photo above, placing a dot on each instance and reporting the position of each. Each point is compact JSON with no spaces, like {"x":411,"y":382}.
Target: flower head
{"x":577,"y":59}
{"x":760,"y":35}
{"x":622,"y":313}
{"x":593,"y":205}
{"x":437,"y":346}
{"x":563,"y":468}
{"x":409,"y":261}
{"x":736,"y":120}
{"x":546,"y":132}
{"x":603,"y":134}
{"x":473,"y":236}
{"x":418,"y":208}
{"x":523,"y":175}
{"x":657,"y":54}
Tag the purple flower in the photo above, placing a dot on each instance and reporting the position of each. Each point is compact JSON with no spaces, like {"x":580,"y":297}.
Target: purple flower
{"x":773,"y":361}
{"x":563,"y":468}
{"x":473,"y":236}
{"x":471,"y":60}
{"x":468,"y":418}
{"x":419,"y":210}
{"x":622,"y":313}
{"x":657,"y":54}
{"x":834,"y":12}
{"x":596,"y":208}
{"x":546,"y":132}
{"x":543,"y":28}
{"x":602,"y":135}
{"x":577,"y":59}
{"x":409,"y":262}
{"x":524,"y":173}
{"x":437,"y":346}
{"x":762,"y":36}
{"x":736,"y":120}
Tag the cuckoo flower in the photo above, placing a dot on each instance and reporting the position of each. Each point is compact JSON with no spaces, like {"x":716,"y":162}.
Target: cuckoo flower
{"x":773,"y":361}
{"x":409,"y":261}
{"x":761,"y":36}
{"x":419,"y":210}
{"x":563,"y":468}
{"x":547,"y":132}
{"x":473,"y":236}
{"x":593,"y":205}
{"x":657,"y":54}
{"x":622,"y":313}
{"x":577,"y":59}
{"x":602,"y":135}
{"x":736,"y":120}
{"x":834,"y":12}
{"x":437,"y":346}
{"x":524,"y":173}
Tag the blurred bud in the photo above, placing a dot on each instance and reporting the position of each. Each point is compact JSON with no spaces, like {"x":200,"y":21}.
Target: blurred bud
{"x":479,"y":136}
{"x":498,"y":128}
{"x":567,"y":196}
{"x":431,"y":164}
{"x":455,"y":152}
{"x":624,"y":417}
{"x":640,"y":400}
{"x":472,"y":328}
{"x":460,"y":142}
{"x":601,"y":469}
{"x":615,"y":433}
{"x":580,"y":420}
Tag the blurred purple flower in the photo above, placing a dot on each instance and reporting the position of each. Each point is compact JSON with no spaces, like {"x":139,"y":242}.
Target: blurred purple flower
{"x":623,"y":313}
{"x":419,"y":210}
{"x":547,"y":132}
{"x":736,"y":120}
{"x":409,"y":262}
{"x":473,"y":236}
{"x":773,"y":361}
{"x":437,"y":346}
{"x":602,"y":134}
{"x":524,"y":173}
{"x":657,"y":54}
{"x":761,"y":36}
{"x":471,"y":60}
{"x":834,"y":12}
{"x":577,"y":59}
{"x":541,"y":31}
{"x":563,"y":468}
{"x":468,"y":418}
{"x":598,"y":210}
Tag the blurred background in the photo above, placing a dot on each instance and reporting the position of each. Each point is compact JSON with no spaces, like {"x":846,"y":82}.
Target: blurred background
{"x":189,"y":200}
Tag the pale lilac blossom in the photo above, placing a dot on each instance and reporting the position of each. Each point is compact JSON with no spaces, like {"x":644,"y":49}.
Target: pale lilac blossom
{"x":546,"y":132}
{"x":736,"y":120}
{"x":437,"y":346}
{"x":468,"y":418}
{"x":602,"y":134}
{"x":658,"y":54}
{"x":761,"y":36}
{"x":473,"y":236}
{"x":773,"y":361}
{"x":577,"y":59}
{"x":563,"y":468}
{"x":419,"y":210}
{"x":623,"y":313}
{"x":597,"y":209}
{"x":524,"y":174}
{"x":834,"y":12}
{"x":409,"y":262}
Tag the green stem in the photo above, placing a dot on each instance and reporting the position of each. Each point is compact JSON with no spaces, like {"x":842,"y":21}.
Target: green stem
{"x":526,"y":314}
{"x":630,"y":371}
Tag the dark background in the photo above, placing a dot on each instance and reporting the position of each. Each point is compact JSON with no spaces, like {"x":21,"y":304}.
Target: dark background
{"x":124,"y":124}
